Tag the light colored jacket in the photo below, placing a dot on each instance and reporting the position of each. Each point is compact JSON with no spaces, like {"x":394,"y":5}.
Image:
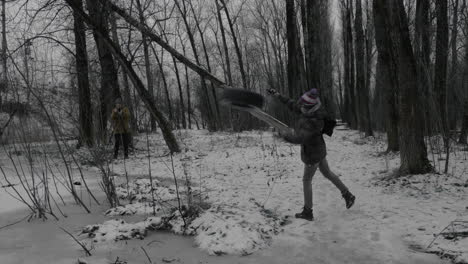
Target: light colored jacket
{"x":120,"y":120}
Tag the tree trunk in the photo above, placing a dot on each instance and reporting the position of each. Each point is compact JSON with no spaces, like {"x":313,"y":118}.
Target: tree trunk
{"x":84,"y":93}
{"x":440,"y":77}
{"x":189,"y":97}
{"x":223,"y":37}
{"x":296,"y":74}
{"x":181,"y":96}
{"x":142,"y":92}
{"x":236,"y":45}
{"x":350,"y":72}
{"x":165,"y":85}
{"x":452,"y":109}
{"x":464,"y":131}
{"x":390,"y":103}
{"x":362,"y":92}
{"x":149,"y":74}
{"x":109,"y":80}
{"x":391,"y":26}
{"x":3,"y":57}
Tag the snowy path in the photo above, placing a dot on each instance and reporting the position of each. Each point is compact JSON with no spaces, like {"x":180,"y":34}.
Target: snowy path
{"x":371,"y":232}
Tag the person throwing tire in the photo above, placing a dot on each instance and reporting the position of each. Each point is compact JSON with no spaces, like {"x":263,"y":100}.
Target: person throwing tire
{"x":120,"y":118}
{"x":308,"y":133}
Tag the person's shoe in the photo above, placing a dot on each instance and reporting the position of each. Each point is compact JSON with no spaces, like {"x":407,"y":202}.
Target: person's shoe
{"x":306,"y":214}
{"x":349,"y":199}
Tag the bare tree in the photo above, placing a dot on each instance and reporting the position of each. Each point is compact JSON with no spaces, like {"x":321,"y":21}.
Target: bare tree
{"x":391,"y":25}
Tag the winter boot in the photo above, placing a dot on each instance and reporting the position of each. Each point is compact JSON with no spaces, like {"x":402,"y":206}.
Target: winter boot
{"x":349,"y":199}
{"x":306,"y":214}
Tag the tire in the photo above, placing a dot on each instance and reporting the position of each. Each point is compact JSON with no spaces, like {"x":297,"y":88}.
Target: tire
{"x":243,"y":98}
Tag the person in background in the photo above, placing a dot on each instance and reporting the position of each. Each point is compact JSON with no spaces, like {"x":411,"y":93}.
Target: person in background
{"x":308,"y":134}
{"x":120,"y":120}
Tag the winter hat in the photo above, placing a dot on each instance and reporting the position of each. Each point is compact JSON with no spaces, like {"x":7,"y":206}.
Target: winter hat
{"x":310,"y":98}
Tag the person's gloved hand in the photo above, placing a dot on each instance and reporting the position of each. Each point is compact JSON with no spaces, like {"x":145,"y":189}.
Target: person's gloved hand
{"x":272,"y":92}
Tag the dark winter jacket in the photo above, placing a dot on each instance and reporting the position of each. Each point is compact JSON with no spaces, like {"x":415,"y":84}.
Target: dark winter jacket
{"x":308,"y":132}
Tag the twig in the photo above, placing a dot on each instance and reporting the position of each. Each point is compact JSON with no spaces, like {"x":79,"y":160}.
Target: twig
{"x":88,"y":253}
{"x":17,"y":222}
{"x":432,"y":242}
{"x":149,"y":259}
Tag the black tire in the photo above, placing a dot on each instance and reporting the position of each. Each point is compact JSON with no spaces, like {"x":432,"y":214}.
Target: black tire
{"x":243,"y":98}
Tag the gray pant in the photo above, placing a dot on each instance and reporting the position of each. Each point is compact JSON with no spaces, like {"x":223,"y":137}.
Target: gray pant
{"x":309,"y":172}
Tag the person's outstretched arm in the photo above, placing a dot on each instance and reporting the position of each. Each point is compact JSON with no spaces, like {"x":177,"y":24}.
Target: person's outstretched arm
{"x":290,"y":103}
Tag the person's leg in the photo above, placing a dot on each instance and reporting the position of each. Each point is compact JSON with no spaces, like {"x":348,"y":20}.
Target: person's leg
{"x":117,"y":138}
{"x":325,"y":170}
{"x":347,"y":195}
{"x":309,"y":171}
{"x":126,"y":141}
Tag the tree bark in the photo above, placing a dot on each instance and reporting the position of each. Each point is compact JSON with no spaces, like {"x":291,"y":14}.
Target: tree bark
{"x":84,"y":93}
{"x":109,"y":80}
{"x":3,"y":57}
{"x":440,"y":77}
{"x":350,"y":68}
{"x":296,"y":73}
{"x":453,"y":108}
{"x":181,"y":96}
{"x":362,"y":92}
{"x":464,"y":131}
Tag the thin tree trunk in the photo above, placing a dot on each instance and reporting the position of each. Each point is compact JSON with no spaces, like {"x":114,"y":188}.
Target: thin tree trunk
{"x":149,"y":74}
{"x":236,"y":45}
{"x":165,"y":85}
{"x":223,"y":37}
{"x":3,"y":57}
{"x":181,"y":97}
{"x":452,"y":110}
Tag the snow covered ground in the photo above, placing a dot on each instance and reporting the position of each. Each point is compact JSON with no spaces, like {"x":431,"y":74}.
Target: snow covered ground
{"x":248,"y":186}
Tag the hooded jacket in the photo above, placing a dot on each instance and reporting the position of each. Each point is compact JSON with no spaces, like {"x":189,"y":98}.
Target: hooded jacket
{"x":308,"y":132}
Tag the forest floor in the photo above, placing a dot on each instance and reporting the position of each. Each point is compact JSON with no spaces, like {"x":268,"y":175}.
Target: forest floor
{"x":249,"y":186}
